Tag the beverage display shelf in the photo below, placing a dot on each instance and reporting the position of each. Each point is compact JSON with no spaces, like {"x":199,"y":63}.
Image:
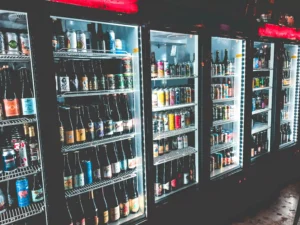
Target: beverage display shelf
{"x":89,"y":54}
{"x":160,"y":198}
{"x":286,"y":144}
{"x":20,"y":172}
{"x":13,"y":215}
{"x":221,"y":147}
{"x":174,"y":78}
{"x":127,"y":219}
{"x":93,"y":93}
{"x":179,"y":106}
{"x":221,"y":122}
{"x":223,"y":100}
{"x":261,"y":88}
{"x":260,"y":111}
{"x":75,"y":147}
{"x":223,"y":170}
{"x":16,"y":121}
{"x":285,"y":121}
{"x":262,"y":69}
{"x":157,"y":136}
{"x":259,"y":156}
{"x":259,"y":127}
{"x":174,"y":154}
{"x":287,"y":86}
{"x":100,"y":184}
{"x":222,"y":76}
{"x":14,"y":58}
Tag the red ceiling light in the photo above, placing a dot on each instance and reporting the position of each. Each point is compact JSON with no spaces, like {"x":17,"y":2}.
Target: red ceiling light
{"x":122,"y":6}
{"x":276,"y":31}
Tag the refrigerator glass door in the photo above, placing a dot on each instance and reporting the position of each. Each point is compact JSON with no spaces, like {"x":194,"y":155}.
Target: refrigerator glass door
{"x":227,"y":94}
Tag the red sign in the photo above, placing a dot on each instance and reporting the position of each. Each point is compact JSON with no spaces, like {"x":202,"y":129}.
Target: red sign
{"x":122,"y":6}
{"x":276,"y":31}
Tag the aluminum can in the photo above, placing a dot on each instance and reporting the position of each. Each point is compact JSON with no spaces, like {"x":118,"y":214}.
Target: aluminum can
{"x":182,"y":115}
{"x":81,"y":41}
{"x":154,"y":98}
{"x":88,"y":174}
{"x":182,"y":95}
{"x":188,"y":92}
{"x":166,"y":121}
{"x":171,"y":116}
{"x":167,"y":69}
{"x":167,"y":97}
{"x":120,"y":82}
{"x":160,"y":98}
{"x":111,"y":40}
{"x":187,"y":118}
{"x":174,"y":143}
{"x":180,"y":142}
{"x":119,"y":45}
{"x":22,"y":188}
{"x":172,"y":70}
{"x":177,"y":120}
{"x":253,"y":104}
{"x":2,"y":43}
{"x":128,"y":80}
{"x":61,"y":42}
{"x":71,"y":41}
{"x":8,"y":159}
{"x":177,"y":96}
{"x":185,"y":141}
{"x":12,"y":44}
{"x":110,"y":80}
{"x":23,"y":154}
{"x":231,"y":111}
{"x":160,"y":123}
{"x":172,"y":96}
{"x":127,"y":65}
{"x":160,"y":68}
{"x":155,"y":149}
{"x":155,"y":125}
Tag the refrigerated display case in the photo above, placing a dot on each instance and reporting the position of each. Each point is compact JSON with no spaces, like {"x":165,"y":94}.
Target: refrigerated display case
{"x":227,"y":96}
{"x":174,"y":83}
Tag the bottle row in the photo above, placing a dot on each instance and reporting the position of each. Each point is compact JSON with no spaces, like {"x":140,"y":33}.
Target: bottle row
{"x":172,"y":120}
{"x":260,"y":100}
{"x":286,"y":78}
{"x":108,"y":117}
{"x":222,"y":91}
{"x":21,"y":193}
{"x":172,"y":96}
{"x":17,"y":98}
{"x":173,"y":175}
{"x":286,"y":95}
{"x":285,"y":112}
{"x":260,"y":82}
{"x":222,"y":68}
{"x":99,"y":163}
{"x":287,"y":60}
{"x":222,"y":159}
{"x":260,"y":118}
{"x":218,"y":135}
{"x":285,"y":133}
{"x":261,"y":58}
{"x":73,"y":75}
{"x":109,"y":204}
{"x":12,"y":43}
{"x":223,"y":112}
{"x":259,"y":143}
{"x":18,"y":149}
{"x":164,"y":146}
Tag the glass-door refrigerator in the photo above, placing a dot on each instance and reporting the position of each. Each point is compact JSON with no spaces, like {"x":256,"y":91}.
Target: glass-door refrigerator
{"x":101,"y":124}
{"x":22,"y":180}
{"x":175,"y":132}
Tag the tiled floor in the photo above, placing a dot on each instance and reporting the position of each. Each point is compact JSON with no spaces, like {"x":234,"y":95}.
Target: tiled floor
{"x":280,"y":211}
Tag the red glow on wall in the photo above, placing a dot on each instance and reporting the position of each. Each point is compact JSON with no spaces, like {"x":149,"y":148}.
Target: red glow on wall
{"x":276,"y":31}
{"x":122,"y":6}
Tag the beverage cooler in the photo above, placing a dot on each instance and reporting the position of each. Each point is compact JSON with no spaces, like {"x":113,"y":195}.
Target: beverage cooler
{"x":101,"y":123}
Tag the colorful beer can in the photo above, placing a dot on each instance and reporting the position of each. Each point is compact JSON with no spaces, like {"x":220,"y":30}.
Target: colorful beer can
{"x":166,"y":121}
{"x":171,"y":116}
{"x":128,"y":80}
{"x":9,"y":159}
{"x":88,"y":174}
{"x":172,"y":96}
{"x":154,"y":98}
{"x":188,"y":92}
{"x":160,"y":69}
{"x":127,"y":65}
{"x":81,"y":41}
{"x":71,"y":41}
{"x":24,"y":43}
{"x":2,"y":43}
{"x":119,"y":46}
{"x":22,"y":189}
{"x":166,"y":69}
{"x":177,"y":120}
{"x":161,"y":98}
{"x":120,"y":82}
{"x":167,"y":97}
{"x":12,"y":45}
{"x":177,"y":96}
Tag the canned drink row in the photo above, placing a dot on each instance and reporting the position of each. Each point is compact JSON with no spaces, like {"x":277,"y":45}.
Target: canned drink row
{"x":171,"y":120}
{"x":260,"y":82}
{"x":164,"y":146}
{"x":222,"y":69}
{"x":221,"y":91}
{"x":13,"y":43}
{"x":218,"y":135}
{"x":223,"y":112}
{"x":260,"y":101}
{"x":171,"y":96}
{"x":119,"y":81}
{"x":222,"y":159}
{"x":284,"y":115}
{"x":163,"y":69}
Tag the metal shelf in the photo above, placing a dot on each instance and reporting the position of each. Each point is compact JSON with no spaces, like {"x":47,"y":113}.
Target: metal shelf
{"x":174,"y":154}
{"x":258,"y":156}
{"x":179,"y":106}
{"x":14,"y":58}
{"x":262,"y":88}
{"x":288,"y":86}
{"x":223,"y":170}
{"x":262,"y":69}
{"x":223,"y":100}
{"x":157,"y":136}
{"x":222,"y":76}
{"x":93,"y":93}
{"x":17,"y":121}
{"x":13,"y":215}
{"x":90,"y":54}
{"x":221,"y":147}
{"x":260,"y":111}
{"x":174,"y":78}
{"x":20,"y":172}
{"x":286,"y":144}
{"x":285,"y":121}
{"x":286,"y":69}
{"x":221,"y":122}
{"x":129,"y":218}
{"x":75,"y":147}
{"x":100,"y":184}
{"x":259,"y":127}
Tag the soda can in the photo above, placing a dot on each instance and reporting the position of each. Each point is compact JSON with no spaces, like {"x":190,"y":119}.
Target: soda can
{"x":177,"y":120}
{"x":12,"y":45}
{"x":182,"y":115}
{"x":154,"y":98}
{"x":177,"y":96}
{"x":253,"y":104}
{"x":128,"y":80}
{"x":180,"y":142}
{"x":231,"y":112}
{"x":155,"y":149}
{"x":182,"y":95}
{"x":88,"y":40}
{"x":166,"y":69}
{"x":88,"y":175}
{"x":212,"y":140}
{"x":71,"y":40}
{"x":22,"y":188}
{"x":127,"y":65}
{"x":160,"y":69}
{"x":23,"y":154}
{"x":172,"y":96}
{"x":160,"y":123}
{"x":187,"y":118}
{"x":8,"y":159}
{"x":120,"y":82}
{"x":61,"y":42}
{"x":160,"y":98}
{"x":188,"y":92}
{"x":81,"y":41}
{"x":155,"y":125}
{"x":174,"y":143}
{"x":111,"y":40}
{"x":119,"y":45}
{"x":171,"y":120}
{"x":185,"y":141}
{"x":166,"y":121}
{"x":110,"y":81}
{"x":167,"y":97}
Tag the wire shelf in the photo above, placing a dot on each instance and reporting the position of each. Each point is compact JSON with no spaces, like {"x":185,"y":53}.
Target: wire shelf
{"x":228,"y":169}
{"x":261,"y":88}
{"x":20,"y":172}
{"x":174,"y":155}
{"x":221,"y":147}
{"x":13,"y":215}
{"x":179,"y":106}
{"x":14,"y":57}
{"x":221,"y":122}
{"x":93,"y":93}
{"x":100,"y":184}
{"x":157,"y":136}
{"x":71,"y":148}
{"x":260,"y":127}
{"x":285,"y":121}
{"x":286,"y":144}
{"x":223,"y":100}
{"x":223,"y":76}
{"x":262,"y":69}
{"x":89,"y":54}
{"x":174,"y":78}
{"x":260,"y":111}
{"x":17,"y":121}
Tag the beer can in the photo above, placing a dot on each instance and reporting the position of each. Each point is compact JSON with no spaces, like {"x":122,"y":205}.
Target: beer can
{"x":185,"y":141}
{"x":187,"y":118}
{"x":120,"y":83}
{"x":257,"y":83}
{"x":155,"y":149}
{"x":71,"y":40}
{"x":54,"y":43}
{"x":219,"y":160}
{"x":253,"y":104}
{"x":174,"y":143}
{"x":119,"y":45}
{"x":12,"y":45}
{"x":212,"y":163}
{"x":231,"y":112}
{"x":166,"y":121}
{"x":172,"y":70}
{"x":8,"y":159}
{"x":166,"y":69}
{"x":160,"y":123}
{"x":188,"y":92}
{"x":160,"y":98}
{"x":180,"y":142}
{"x":167,"y":145}
{"x":110,"y":82}
{"x":127,"y":65}
{"x":81,"y":41}
{"x":160,"y":68}
{"x":2,"y":43}
{"x":216,"y":138}
{"x":61,"y":42}
{"x":155,"y":125}
{"x":88,"y":175}
{"x":171,"y":116}
{"x":172,"y":96}
{"x":161,"y":146}
{"x":111,"y":40}
{"x":177,"y":96}
{"x":212,"y":140}
{"x":128,"y":80}
{"x":182,"y":95}
{"x":167,"y":97}
{"x":177,"y":120}
{"x":154,"y":98}
{"x":22,"y":188}
{"x":182,"y":115}
{"x":23,"y":154}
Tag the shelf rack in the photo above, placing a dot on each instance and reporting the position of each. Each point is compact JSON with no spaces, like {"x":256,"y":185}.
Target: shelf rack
{"x":20,"y":172}
{"x":221,"y":147}
{"x":157,"y":136}
{"x":100,"y":184}
{"x":93,"y":93}
{"x":89,"y":54}
{"x":260,"y":111}
{"x":223,"y":100}
{"x":222,"y":76}
{"x":261,"y":88}
{"x":259,"y":127}
{"x":179,"y":106}
{"x":174,"y":78}
{"x":221,"y":122}
{"x":14,"y":58}
{"x":262,"y":69}
{"x":17,"y":121}
{"x":223,"y":170}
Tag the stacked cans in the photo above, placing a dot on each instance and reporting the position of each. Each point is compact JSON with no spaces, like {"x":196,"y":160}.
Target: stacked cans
{"x":164,"y":146}
{"x":223,"y":112}
{"x":218,"y":135}
{"x":12,"y":43}
{"x":162,"y":69}
{"x":221,"y":159}
{"x":260,"y":82}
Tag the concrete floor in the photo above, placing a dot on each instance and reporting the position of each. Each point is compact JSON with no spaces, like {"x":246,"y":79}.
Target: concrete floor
{"x":278,"y":211}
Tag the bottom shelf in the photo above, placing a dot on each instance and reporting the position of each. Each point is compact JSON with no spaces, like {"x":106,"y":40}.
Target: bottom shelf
{"x":128,"y":219}
{"x":226,"y":169}
{"x":286,"y":144}
{"x":13,"y":215}
{"x":258,"y":156}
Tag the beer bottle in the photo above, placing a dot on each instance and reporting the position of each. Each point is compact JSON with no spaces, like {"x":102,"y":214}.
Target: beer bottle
{"x":115,"y":162}
{"x":10,"y":100}
{"x":101,"y":77}
{"x":27,"y":98}
{"x":108,"y":122}
{"x":226,"y":62}
{"x":106,"y":165}
{"x":78,"y":174}
{"x":99,"y":125}
{"x":68,"y":129}
{"x":158,"y":182}
{"x":61,"y":130}
{"x":74,"y":83}
{"x":80,"y":129}
{"x":114,"y":208}
{"x":68,"y":218}
{"x":84,"y":80}
{"x":173,"y":175}
{"x":91,"y":216}
{"x":63,"y":78}
{"x":123,"y":200}
{"x":100,"y":38}
{"x":89,"y":125}
{"x":186,"y":171}
{"x":122,"y":156}
{"x":131,"y":157}
{"x":11,"y":196}
{"x":133,"y":197}
{"x":127,"y":116}
{"x":166,"y":178}
{"x":96,"y":165}
{"x":116,"y":116}
{"x":289,"y":132}
{"x":79,"y":212}
{"x":102,"y":208}
{"x":33,"y":147}
{"x":179,"y":173}
{"x":153,"y":66}
{"x":218,"y":64}
{"x":93,"y":80}
{"x":253,"y":147}
{"x":192,"y":168}
{"x":37,"y":193}
{"x":68,"y":179}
